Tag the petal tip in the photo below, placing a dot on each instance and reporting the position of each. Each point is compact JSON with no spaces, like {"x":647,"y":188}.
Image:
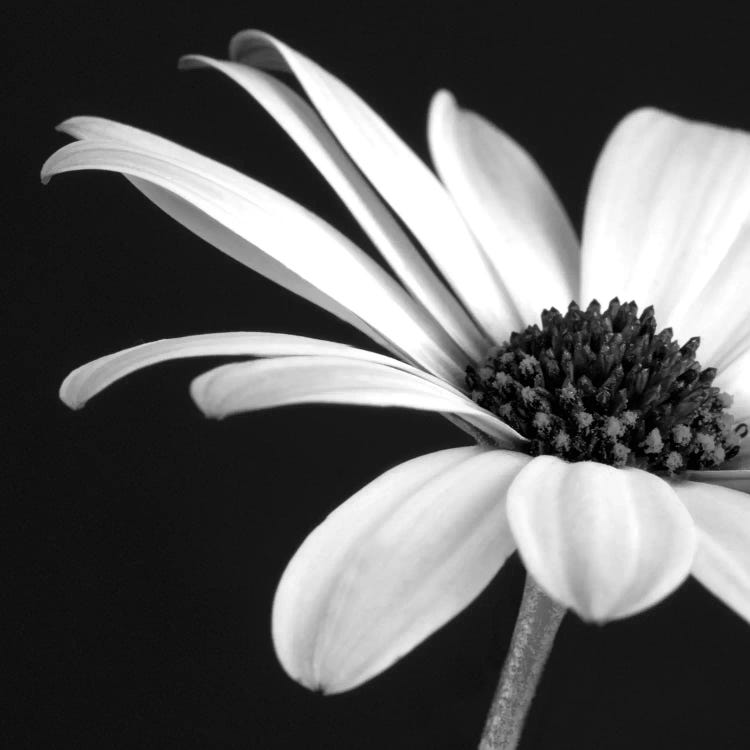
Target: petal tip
{"x":192,"y":62}
{"x":443,"y":97}
{"x":442,"y":104}
{"x":644,"y":117}
{"x":245,"y":38}
{"x":69,"y":400}
{"x":258,"y":49}
{"x":73,"y":391}
{"x":49,"y":168}
{"x":67,"y":125}
{"x":199,"y":393}
{"x":318,"y":685}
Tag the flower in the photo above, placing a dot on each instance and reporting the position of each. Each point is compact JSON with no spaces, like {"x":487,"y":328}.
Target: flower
{"x":602,"y":446}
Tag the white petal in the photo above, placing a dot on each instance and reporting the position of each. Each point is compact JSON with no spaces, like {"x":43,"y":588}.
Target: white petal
{"x":393,"y":564}
{"x":263,"y":384}
{"x":238,"y":248}
{"x":403,"y":180}
{"x":89,"y":379}
{"x":722,"y":560}
{"x":305,"y":127}
{"x":96,"y":128}
{"x":667,"y":200}
{"x":293,"y":236}
{"x":509,"y":205}
{"x":605,"y":542}
{"x":720,"y":314}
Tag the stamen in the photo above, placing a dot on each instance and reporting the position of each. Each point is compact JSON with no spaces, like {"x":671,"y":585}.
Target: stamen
{"x":605,"y":386}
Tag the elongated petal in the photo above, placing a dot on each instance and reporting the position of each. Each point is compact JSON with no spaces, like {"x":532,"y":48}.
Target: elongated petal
{"x":667,"y":200}
{"x":722,"y":560}
{"x":403,"y":180}
{"x":96,"y":128}
{"x":263,"y":384}
{"x":393,"y":564}
{"x":605,"y":542}
{"x":293,"y":236}
{"x":509,"y":205}
{"x":216,"y":234}
{"x":308,"y":131}
{"x":88,"y":380}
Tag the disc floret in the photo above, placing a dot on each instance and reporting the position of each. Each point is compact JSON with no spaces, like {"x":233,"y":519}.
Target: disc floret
{"x":604,"y":386}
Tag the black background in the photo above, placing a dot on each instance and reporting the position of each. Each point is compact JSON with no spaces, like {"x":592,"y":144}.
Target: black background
{"x":145,"y":541}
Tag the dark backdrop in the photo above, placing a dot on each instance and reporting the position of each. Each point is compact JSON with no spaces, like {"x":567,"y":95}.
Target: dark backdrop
{"x":147,"y":541}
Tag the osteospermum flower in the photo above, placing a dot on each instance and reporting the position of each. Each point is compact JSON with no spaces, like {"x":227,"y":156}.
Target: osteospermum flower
{"x":610,"y":455}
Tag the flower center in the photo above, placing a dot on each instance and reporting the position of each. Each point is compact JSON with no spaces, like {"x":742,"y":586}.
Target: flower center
{"x":605,"y":386}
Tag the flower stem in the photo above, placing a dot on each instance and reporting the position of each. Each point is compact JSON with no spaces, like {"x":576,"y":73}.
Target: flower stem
{"x":538,"y":620}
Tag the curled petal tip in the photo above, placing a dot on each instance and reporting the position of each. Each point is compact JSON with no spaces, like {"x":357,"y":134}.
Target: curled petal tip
{"x":191,"y":62}
{"x":50,"y":167}
{"x":71,"y":393}
{"x":68,"y":124}
{"x":47,"y":171}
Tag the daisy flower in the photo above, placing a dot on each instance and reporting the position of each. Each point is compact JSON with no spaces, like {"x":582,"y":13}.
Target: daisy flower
{"x":607,"y":453}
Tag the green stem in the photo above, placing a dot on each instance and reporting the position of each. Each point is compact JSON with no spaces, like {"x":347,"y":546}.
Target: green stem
{"x":538,"y":620}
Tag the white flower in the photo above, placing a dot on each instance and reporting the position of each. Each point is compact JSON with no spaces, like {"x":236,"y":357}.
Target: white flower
{"x":665,"y":224}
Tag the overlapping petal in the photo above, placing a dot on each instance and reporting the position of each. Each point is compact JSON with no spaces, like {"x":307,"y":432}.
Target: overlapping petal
{"x":236,"y":247}
{"x":403,"y":180}
{"x":509,"y":205}
{"x":89,"y":379}
{"x":262,"y":384}
{"x":393,"y":564}
{"x":305,"y":127}
{"x":667,"y":201}
{"x":722,"y":560}
{"x":605,"y":542}
{"x":291,"y":235}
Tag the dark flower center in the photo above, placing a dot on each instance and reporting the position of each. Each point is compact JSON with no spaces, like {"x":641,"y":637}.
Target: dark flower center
{"x":604,"y":386}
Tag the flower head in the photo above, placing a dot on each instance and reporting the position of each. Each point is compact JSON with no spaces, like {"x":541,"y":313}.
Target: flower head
{"x":608,"y":454}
